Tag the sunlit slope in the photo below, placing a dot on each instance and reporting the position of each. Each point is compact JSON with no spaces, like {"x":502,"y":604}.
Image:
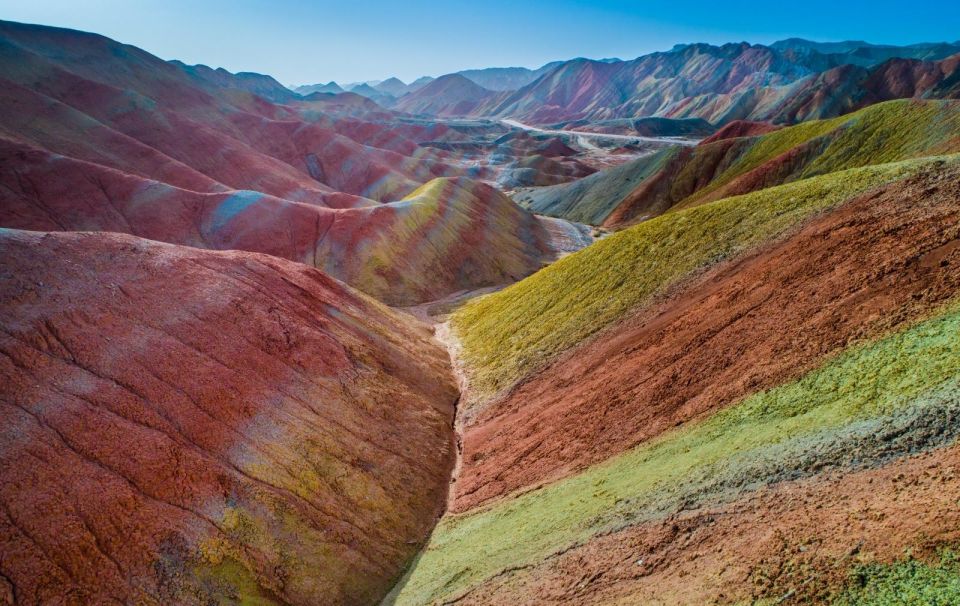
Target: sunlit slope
{"x":882,"y":133}
{"x":780,"y":482}
{"x":879,"y":261}
{"x":750,"y":398}
{"x":886,"y":132}
{"x":509,"y":334}
{"x":829,"y":417}
{"x":448,"y":235}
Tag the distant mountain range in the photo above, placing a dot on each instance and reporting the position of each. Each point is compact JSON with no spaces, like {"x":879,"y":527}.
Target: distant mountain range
{"x":723,"y":83}
{"x":450,"y":95}
{"x":329,"y":87}
{"x":491,"y":78}
{"x":787,"y":81}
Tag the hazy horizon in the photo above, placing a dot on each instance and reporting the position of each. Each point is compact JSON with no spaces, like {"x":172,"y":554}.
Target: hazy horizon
{"x":307,"y":43}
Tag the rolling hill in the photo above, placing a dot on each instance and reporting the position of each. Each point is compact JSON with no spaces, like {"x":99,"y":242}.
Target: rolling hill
{"x":729,"y":165}
{"x":186,"y":426}
{"x":447,"y":236}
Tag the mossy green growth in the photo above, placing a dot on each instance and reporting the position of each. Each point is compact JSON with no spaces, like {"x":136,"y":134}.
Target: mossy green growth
{"x":889,"y":132}
{"x":770,"y":429}
{"x":287,"y":545}
{"x":765,"y":148}
{"x":773,"y":144}
{"x":910,"y":582}
{"x":231,"y":582}
{"x":511,"y":333}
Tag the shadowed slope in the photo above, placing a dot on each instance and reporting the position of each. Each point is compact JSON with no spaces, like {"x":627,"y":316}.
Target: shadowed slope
{"x":692,"y":128}
{"x":591,"y":199}
{"x":184,"y":426}
{"x":740,"y":128}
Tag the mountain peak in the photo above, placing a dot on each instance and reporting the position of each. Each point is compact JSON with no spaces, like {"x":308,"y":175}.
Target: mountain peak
{"x":449,"y":95}
{"x":392,"y":86}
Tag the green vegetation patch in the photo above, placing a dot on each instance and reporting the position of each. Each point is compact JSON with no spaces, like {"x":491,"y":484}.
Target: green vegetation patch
{"x":511,"y":333}
{"x":909,"y":582}
{"x":918,"y":368}
{"x":769,"y":146}
{"x":889,"y":132}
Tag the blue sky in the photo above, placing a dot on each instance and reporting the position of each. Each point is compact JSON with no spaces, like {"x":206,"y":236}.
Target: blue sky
{"x":345,"y":40}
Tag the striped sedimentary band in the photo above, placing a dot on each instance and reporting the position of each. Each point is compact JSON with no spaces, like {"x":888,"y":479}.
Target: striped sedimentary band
{"x":872,"y":403}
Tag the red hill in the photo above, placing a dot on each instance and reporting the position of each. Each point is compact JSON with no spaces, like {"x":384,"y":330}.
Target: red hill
{"x":183,"y":426}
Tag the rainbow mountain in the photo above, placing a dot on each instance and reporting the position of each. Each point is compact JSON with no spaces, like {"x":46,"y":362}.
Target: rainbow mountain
{"x":687,"y":336}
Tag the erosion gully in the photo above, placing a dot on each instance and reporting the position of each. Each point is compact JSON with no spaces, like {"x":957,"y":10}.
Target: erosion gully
{"x":436,"y":314}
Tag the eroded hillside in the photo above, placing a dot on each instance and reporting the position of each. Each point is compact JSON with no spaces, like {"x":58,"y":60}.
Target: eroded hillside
{"x":697,"y":409}
{"x":184,"y":426}
{"x":741,"y":386}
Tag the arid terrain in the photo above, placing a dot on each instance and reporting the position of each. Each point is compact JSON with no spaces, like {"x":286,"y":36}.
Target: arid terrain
{"x":678,"y":329}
